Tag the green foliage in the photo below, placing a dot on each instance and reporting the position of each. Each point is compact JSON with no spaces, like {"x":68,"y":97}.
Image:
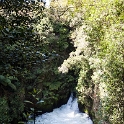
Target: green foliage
{"x":9,"y":113}
{"x":36,"y":100}
{"x":17,"y":106}
{"x":18,"y":53}
{"x":98,"y":58}
{"x":54,"y":36}
{"x":4,"y":111}
{"x":7,"y":82}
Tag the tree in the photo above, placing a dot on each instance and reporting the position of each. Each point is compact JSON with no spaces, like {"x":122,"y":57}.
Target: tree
{"x":98,"y":58}
{"x":32,"y":46}
{"x":17,"y":56}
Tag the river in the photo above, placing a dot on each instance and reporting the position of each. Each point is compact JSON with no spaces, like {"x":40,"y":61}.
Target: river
{"x":66,"y":114}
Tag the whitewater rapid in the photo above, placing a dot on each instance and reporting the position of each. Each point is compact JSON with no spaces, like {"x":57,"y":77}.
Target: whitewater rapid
{"x":66,"y":114}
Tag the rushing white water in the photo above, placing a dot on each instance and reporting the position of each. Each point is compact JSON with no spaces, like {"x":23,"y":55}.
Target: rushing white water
{"x":66,"y":114}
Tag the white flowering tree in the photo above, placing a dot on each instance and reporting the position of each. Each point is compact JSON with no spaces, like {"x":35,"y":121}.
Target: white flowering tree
{"x":98,"y":58}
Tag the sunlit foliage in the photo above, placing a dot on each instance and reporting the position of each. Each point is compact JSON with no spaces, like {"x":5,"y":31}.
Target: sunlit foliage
{"x":99,"y":58}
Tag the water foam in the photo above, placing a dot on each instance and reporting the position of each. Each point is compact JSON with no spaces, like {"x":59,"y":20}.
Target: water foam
{"x":66,"y":114}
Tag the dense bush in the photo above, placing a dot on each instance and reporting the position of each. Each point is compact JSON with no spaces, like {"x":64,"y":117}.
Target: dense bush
{"x":32,"y":46}
{"x":17,"y":53}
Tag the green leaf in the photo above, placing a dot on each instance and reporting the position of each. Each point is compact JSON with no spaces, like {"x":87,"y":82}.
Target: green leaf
{"x":40,"y":101}
{"x":32,"y":109}
{"x":2,"y":80}
{"x":8,"y":81}
{"x":37,"y":99}
{"x":26,"y":101}
{"x":12,"y":86}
